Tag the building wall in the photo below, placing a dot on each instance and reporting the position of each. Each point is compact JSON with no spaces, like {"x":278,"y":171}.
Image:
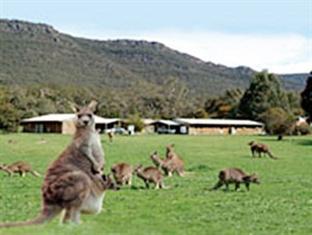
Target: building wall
{"x":42,"y":127}
{"x":68,"y":127}
{"x":224,"y":130}
{"x":149,"y":129}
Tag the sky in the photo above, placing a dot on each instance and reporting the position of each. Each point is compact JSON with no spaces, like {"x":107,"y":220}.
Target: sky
{"x":262,"y":34}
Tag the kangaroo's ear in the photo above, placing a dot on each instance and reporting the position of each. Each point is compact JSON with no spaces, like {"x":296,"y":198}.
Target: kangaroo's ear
{"x":92,"y":105}
{"x":74,"y":107}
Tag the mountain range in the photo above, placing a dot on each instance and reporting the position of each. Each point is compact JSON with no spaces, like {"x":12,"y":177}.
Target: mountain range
{"x":32,"y":53}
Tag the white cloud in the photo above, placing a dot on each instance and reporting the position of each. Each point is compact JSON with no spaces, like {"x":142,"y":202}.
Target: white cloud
{"x":288,"y":53}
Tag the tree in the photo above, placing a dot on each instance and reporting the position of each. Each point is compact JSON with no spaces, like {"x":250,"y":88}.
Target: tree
{"x":224,"y":106}
{"x":278,"y":122}
{"x":136,"y":121}
{"x":306,"y":97}
{"x":9,"y":117}
{"x":264,"y":92}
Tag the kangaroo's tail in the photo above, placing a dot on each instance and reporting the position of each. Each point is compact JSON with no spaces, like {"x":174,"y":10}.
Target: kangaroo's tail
{"x":45,"y":216}
{"x":271,"y":155}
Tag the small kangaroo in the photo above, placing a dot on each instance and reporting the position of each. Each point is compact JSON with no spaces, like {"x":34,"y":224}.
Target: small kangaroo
{"x":235,"y":176}
{"x":150,"y":175}
{"x":260,"y":148}
{"x":169,"y":165}
{"x":70,"y":183}
{"x":170,"y":153}
{"x":122,"y":173}
{"x":110,"y":136}
{"x":20,"y":168}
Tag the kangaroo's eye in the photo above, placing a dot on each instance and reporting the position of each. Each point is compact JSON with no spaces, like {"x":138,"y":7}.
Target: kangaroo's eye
{"x":90,"y":115}
{"x":79,"y":115}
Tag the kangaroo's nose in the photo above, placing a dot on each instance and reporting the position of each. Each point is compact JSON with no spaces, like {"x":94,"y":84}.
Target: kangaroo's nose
{"x":85,"y":122}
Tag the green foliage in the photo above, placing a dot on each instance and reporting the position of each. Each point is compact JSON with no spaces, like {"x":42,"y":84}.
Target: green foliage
{"x":281,"y":204}
{"x":9,"y":117}
{"x":264,"y":92}
{"x":224,"y":106}
{"x":302,"y":129}
{"x":278,"y":121}
{"x":136,"y":121}
{"x":306,"y":97}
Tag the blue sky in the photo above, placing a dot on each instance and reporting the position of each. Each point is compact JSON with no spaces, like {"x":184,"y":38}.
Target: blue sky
{"x":267,"y":34}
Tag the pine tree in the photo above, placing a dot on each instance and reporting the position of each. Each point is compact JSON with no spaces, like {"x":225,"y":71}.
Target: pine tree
{"x":306,"y":97}
{"x":264,"y":92}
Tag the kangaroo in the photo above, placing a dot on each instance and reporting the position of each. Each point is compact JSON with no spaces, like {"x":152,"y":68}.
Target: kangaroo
{"x":19,"y":167}
{"x":110,"y":136}
{"x":122,"y":173}
{"x":170,"y":153}
{"x":260,"y":148}
{"x":169,"y":165}
{"x":150,"y":175}
{"x":87,"y":139}
{"x":70,"y":183}
{"x":235,"y":176}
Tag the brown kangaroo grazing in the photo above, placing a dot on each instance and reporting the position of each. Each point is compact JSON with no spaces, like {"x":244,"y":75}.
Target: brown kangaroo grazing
{"x":169,"y":165}
{"x":70,"y":183}
{"x":260,"y":148}
{"x":235,"y":176}
{"x":150,"y":175}
{"x":122,"y":173}
{"x":20,"y":168}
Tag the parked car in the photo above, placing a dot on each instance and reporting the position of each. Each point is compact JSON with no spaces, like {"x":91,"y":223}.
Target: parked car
{"x":119,"y":131}
{"x":163,"y":130}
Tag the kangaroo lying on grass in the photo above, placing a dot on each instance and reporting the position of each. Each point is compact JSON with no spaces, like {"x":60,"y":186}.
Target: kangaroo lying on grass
{"x":169,"y":165}
{"x":19,"y":167}
{"x":260,"y":148}
{"x":235,"y":176}
{"x":150,"y":175}
{"x":70,"y":183}
{"x":122,"y":173}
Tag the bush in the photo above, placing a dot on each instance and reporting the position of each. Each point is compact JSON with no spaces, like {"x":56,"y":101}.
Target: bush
{"x":137,"y":122}
{"x":303,"y":129}
{"x":278,"y":121}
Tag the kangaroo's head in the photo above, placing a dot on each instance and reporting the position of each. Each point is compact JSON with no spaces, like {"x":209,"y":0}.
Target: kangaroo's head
{"x":85,"y":115}
{"x":108,"y":183}
{"x":251,"y":143}
{"x":252,"y":179}
{"x":169,"y":148}
{"x":154,"y":155}
{"x":138,"y":169}
{"x":2,"y":166}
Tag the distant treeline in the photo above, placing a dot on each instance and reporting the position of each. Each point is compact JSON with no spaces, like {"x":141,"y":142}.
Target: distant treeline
{"x":265,"y":99}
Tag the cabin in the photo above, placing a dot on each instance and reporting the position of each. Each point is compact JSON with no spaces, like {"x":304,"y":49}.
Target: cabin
{"x":195,"y":126}
{"x":63,"y":123}
{"x":149,"y":127}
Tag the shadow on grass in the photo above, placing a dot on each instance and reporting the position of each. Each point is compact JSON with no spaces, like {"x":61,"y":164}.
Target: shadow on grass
{"x":224,"y":190}
{"x":133,"y":187}
{"x":304,"y":142}
{"x":199,"y":168}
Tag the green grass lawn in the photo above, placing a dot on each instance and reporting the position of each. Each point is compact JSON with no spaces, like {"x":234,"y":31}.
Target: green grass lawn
{"x":281,"y":204}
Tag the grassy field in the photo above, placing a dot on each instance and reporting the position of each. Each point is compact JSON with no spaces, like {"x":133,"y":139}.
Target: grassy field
{"x":281,"y":204}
